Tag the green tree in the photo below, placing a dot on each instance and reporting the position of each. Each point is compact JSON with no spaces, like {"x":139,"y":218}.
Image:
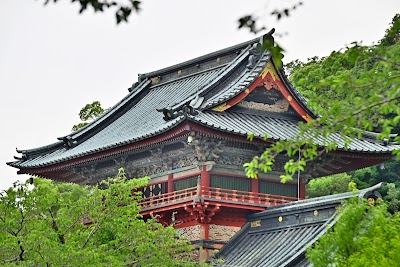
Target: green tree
{"x":363,"y":236}
{"x":88,"y":113}
{"x":58,"y":224}
{"x":334,"y":184}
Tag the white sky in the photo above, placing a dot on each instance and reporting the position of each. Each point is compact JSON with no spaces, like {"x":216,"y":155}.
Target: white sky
{"x":54,"y":61}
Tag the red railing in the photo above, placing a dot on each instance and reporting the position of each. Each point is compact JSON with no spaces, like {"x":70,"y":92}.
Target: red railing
{"x":217,"y":194}
{"x":168,"y":197}
{"x":245,"y":196}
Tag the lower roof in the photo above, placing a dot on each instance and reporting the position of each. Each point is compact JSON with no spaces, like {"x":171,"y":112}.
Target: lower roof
{"x":281,"y":235}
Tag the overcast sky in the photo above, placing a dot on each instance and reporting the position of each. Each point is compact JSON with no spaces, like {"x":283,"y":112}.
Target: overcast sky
{"x":53,"y":61}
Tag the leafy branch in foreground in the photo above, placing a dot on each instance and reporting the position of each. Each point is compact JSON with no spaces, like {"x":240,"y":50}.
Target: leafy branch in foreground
{"x":250,"y":22}
{"x":354,"y":91}
{"x":123,"y":9}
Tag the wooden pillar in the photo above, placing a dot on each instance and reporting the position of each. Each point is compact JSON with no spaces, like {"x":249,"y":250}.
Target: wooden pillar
{"x":205,"y":177}
{"x":204,"y":253}
{"x":255,"y":186}
{"x":170,"y":183}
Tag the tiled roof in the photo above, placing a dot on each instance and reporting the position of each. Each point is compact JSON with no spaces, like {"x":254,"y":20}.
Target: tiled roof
{"x":283,"y":233}
{"x":136,"y":117}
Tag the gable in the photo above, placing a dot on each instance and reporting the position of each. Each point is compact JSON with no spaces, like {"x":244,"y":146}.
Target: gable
{"x":266,"y":94}
{"x":262,"y":99}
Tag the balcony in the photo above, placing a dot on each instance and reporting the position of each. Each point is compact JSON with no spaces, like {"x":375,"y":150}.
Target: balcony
{"x":216,"y":195}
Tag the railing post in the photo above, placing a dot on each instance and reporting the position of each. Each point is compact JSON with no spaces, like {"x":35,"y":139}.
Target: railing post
{"x":251,"y":197}
{"x":199,"y":186}
{"x":217,"y":193}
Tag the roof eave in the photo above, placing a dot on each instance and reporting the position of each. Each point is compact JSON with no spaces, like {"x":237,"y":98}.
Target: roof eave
{"x":118,"y":147}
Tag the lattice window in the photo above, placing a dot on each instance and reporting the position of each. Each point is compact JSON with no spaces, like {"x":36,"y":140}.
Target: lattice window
{"x":277,"y":188}
{"x":242,"y":184}
{"x":185,"y":183}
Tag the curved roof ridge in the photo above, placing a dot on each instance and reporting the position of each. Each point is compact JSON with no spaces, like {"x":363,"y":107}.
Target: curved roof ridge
{"x":209,"y":55}
{"x":139,"y":88}
{"x":202,"y":58}
{"x":240,"y":85}
{"x":38,"y":149}
{"x":212,"y":83}
{"x":144,"y":84}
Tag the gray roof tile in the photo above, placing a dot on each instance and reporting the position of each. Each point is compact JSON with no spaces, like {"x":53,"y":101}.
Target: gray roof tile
{"x":280,"y":129}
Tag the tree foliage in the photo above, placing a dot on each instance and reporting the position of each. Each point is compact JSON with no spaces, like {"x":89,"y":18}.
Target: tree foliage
{"x":334,"y":184}
{"x":363,"y":236}
{"x":389,"y":173}
{"x":88,"y":113}
{"x":58,"y":224}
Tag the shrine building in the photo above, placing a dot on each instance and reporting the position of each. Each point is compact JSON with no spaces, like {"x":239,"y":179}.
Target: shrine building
{"x":186,"y":127}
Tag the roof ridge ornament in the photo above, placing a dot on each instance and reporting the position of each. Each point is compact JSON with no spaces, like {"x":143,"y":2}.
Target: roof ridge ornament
{"x":197,"y":101}
{"x":255,"y":53}
{"x":69,"y":142}
{"x":170,"y":113}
